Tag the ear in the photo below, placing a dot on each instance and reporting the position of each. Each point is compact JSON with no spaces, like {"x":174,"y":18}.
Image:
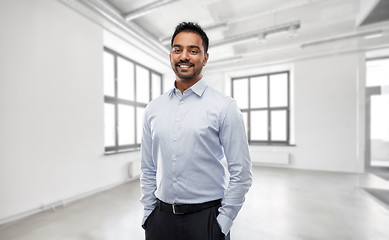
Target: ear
{"x":205,"y":59}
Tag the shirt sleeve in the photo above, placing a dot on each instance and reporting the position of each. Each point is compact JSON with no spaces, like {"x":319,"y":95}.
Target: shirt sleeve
{"x":234,"y":141}
{"x":148,"y":171}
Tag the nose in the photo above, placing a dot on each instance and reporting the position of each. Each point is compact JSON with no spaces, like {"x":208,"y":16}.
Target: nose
{"x":184,"y":56}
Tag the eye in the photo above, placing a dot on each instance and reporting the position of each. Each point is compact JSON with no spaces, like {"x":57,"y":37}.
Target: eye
{"x":176,"y":50}
{"x":194,"y":51}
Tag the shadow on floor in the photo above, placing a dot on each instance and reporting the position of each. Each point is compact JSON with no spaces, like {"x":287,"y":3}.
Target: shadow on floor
{"x":380,"y":195}
{"x":382,"y":174}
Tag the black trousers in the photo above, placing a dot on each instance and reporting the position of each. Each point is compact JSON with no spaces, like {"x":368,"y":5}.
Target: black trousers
{"x":202,"y":225}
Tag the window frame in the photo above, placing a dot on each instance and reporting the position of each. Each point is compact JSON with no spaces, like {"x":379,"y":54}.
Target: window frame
{"x":268,"y":108}
{"x":115,"y":100}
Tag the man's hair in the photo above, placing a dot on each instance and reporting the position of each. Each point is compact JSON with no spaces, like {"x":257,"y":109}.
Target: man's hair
{"x":194,"y":28}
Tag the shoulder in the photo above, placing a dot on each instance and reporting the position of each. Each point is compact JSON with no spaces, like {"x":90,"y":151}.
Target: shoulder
{"x":158,"y":102}
{"x":217,"y":97}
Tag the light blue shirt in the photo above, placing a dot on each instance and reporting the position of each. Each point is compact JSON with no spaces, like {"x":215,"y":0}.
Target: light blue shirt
{"x":185,"y":137}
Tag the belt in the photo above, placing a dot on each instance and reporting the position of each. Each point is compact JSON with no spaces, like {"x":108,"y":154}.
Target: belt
{"x":187,"y":208}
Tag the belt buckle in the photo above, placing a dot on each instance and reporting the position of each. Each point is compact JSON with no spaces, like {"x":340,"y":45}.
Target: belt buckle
{"x":175,"y":210}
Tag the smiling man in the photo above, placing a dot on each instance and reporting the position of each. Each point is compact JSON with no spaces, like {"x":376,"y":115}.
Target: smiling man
{"x":186,"y":134}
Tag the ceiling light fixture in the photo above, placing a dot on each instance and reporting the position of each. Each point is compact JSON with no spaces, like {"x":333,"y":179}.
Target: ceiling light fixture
{"x":261,"y":39}
{"x":368,"y":34}
{"x":376,"y":35}
{"x":292,"y":32}
{"x":258,"y":34}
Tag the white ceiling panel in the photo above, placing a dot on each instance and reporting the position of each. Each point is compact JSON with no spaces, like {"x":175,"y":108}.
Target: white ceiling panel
{"x":319,"y":21}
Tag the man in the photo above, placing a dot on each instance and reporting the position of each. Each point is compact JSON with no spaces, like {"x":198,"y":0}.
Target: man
{"x":187,"y":132}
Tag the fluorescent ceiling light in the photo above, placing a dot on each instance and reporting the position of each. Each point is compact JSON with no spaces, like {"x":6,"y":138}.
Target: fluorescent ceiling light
{"x":375,"y":35}
{"x":342,"y":37}
{"x":255,"y":34}
{"x":261,"y":38}
{"x":292,"y":32}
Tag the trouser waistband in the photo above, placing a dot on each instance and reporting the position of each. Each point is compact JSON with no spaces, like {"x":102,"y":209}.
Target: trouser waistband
{"x":187,"y":208}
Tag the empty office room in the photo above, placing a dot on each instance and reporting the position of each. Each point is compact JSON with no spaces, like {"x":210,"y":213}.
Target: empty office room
{"x":80,"y":79}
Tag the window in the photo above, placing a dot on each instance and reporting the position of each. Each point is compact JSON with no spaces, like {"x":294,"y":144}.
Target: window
{"x":377,"y":115}
{"x":377,"y":72}
{"x":264,"y":102}
{"x":128,"y":87}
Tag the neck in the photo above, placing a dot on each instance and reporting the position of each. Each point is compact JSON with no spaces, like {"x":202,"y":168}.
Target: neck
{"x":182,"y":85}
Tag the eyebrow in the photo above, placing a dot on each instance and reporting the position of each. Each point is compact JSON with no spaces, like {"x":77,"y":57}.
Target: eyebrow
{"x":191,"y":46}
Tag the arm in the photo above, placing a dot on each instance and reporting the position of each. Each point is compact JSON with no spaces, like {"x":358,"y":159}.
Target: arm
{"x":148,"y":169}
{"x":234,"y":141}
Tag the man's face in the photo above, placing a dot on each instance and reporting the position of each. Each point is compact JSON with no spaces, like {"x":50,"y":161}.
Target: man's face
{"x":188,"y":56}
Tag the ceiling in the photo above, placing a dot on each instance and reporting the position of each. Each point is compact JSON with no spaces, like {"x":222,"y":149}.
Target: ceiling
{"x":246,"y":32}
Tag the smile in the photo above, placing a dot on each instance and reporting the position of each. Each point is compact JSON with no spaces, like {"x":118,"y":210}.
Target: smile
{"x":184,"y":66}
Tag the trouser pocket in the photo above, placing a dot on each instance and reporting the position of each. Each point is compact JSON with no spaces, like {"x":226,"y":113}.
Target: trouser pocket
{"x":217,"y":231}
{"x":149,"y":218}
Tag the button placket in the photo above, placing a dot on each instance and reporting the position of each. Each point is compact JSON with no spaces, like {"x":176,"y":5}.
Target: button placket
{"x":177,"y":126}
{"x":177,"y":122}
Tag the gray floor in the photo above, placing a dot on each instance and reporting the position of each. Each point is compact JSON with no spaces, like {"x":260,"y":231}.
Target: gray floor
{"x":282,"y":204}
{"x":382,"y":196}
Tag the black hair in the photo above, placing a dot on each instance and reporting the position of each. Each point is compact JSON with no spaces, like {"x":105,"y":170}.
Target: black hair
{"x":194,"y":28}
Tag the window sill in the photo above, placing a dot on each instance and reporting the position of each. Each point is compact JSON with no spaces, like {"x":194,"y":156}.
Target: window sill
{"x":122,"y":151}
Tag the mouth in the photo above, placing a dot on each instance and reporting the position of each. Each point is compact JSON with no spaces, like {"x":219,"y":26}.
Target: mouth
{"x":184,"y":66}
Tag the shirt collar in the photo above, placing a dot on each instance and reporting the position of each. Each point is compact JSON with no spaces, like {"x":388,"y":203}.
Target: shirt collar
{"x":198,"y":88}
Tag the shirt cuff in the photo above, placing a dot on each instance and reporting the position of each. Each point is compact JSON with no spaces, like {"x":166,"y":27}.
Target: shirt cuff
{"x":146,"y":214}
{"x":225,"y":223}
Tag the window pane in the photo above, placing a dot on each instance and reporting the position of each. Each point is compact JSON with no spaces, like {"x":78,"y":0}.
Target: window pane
{"x":259,"y":126}
{"x":258,"y":92}
{"x":156,"y":85}
{"x":109,"y":124}
{"x":126,"y":124}
{"x":139,"y":121}
{"x":278,"y":125}
{"x":379,"y":131}
{"x":109,"y":75}
{"x":377,"y":72}
{"x":142,"y":84}
{"x":240,"y":92}
{"x":279,"y":90}
{"x":125,"y":79}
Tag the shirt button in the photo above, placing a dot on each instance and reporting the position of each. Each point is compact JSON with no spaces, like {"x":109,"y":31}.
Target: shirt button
{"x":175,"y":140}
{"x":178,"y":120}
{"x":181,"y":102}
{"x":175,"y":180}
{"x":174,"y":159}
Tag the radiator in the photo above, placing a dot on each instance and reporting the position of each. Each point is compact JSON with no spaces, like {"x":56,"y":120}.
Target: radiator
{"x":270,"y":157}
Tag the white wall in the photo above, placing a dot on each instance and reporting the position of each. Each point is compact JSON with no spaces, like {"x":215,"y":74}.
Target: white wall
{"x":326,"y":113}
{"x":51,"y":106}
{"x":326,"y":106}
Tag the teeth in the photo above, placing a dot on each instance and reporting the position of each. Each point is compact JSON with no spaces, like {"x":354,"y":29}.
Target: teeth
{"x":184,"y":66}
